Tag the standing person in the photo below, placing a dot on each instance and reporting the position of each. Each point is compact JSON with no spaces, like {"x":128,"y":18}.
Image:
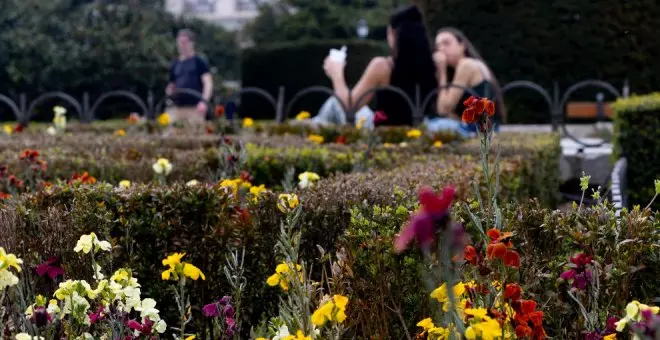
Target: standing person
{"x":191,"y":72}
{"x":454,"y":51}
{"x":409,"y":65}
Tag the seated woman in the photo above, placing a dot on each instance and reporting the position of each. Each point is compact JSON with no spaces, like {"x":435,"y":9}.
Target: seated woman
{"x":455,"y":51}
{"x":410,"y":64}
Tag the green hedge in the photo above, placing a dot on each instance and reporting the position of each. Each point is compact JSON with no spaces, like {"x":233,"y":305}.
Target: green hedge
{"x":295,"y":66}
{"x":637,"y":137}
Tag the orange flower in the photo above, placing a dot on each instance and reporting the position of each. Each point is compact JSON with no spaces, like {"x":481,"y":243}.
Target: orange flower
{"x":523,"y":332}
{"x":470,"y":255}
{"x":219,"y":110}
{"x":85,"y":178}
{"x":480,"y":106}
{"x":469,"y":116}
{"x":29,"y":154}
{"x":4,"y":196}
{"x":498,"y":248}
{"x":490,"y":108}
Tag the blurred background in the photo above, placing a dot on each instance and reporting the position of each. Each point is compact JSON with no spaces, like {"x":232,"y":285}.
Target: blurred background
{"x":87,"y":46}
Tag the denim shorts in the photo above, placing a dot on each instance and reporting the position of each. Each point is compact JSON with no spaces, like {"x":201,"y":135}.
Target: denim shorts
{"x":437,"y":124}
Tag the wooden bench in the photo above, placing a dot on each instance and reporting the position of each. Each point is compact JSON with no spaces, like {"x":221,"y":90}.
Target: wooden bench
{"x":586,"y":110}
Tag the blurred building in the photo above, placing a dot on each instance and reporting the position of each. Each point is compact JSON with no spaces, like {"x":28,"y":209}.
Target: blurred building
{"x":231,"y":14}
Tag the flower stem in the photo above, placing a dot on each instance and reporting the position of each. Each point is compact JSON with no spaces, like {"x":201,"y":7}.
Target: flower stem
{"x":182,"y":305}
{"x":652,"y":200}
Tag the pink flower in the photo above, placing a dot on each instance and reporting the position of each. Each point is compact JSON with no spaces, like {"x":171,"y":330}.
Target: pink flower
{"x":423,"y":226}
{"x":211,"y":310}
{"x":379,"y":117}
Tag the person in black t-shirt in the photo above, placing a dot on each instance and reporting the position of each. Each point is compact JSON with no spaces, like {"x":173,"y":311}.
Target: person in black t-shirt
{"x":191,"y":72}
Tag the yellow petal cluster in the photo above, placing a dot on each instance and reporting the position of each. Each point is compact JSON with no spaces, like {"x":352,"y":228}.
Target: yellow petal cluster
{"x":178,"y":269}
{"x":287,"y":202}
{"x":283,"y":275}
{"x":333,"y":310}
{"x":7,"y":263}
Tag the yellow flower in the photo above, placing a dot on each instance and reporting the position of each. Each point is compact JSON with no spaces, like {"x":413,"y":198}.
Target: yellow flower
{"x":334,"y":310}
{"x":192,"y":337}
{"x":9,"y":261}
{"x":8,"y":129}
{"x":287,"y":202}
{"x":256,"y":191}
{"x":248,"y":122}
{"x":478,"y":313}
{"x":261,"y":339}
{"x":192,"y":183}
{"x":440,"y":293}
{"x":234,"y":184}
{"x":192,"y":272}
{"x":437,"y":144}
{"x":610,"y":337}
{"x":426,"y":324}
{"x":299,"y":336}
{"x":162,"y":166}
{"x":303,"y":115}
{"x":414,"y":134}
{"x":317,"y":139}
{"x":388,"y":145}
{"x":634,"y":313}
{"x":164,"y":119}
{"x":488,"y":329}
{"x":360,"y":123}
{"x":173,"y":260}
{"x":120,"y":132}
{"x":125,"y":184}
{"x":282,"y":275}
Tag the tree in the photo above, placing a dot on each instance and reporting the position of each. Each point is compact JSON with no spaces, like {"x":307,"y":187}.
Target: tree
{"x":289,"y":20}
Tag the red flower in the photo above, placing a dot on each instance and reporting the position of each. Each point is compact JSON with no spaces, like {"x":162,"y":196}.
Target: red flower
{"x":341,"y":140}
{"x":512,"y":292}
{"x":219,"y":110}
{"x":470,"y":255}
{"x":475,"y":107}
{"x":523,"y":331}
{"x":19,"y":128}
{"x":15,"y":181}
{"x":245,"y":176}
{"x":50,"y":268}
{"x":512,"y":259}
{"x":423,"y":225}
{"x":133,"y":118}
{"x":496,"y":250}
{"x":4,"y":196}
{"x":29,"y":154}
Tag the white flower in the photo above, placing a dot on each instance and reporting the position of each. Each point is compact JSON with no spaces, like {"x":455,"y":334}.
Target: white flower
{"x":282,"y":333}
{"x":98,"y":275}
{"x":53,"y":308}
{"x":307,"y":179}
{"x":192,"y":183}
{"x":162,"y":166}
{"x":161,"y":326}
{"x":7,"y":279}
{"x":51,"y":131}
{"x":86,"y":242}
{"x":147,"y":310}
{"x":25,"y":336}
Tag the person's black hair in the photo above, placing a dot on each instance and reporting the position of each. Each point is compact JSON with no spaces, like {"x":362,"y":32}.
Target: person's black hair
{"x":413,"y":64}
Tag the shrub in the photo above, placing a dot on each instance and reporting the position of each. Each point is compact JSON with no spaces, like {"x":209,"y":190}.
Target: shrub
{"x":295,"y":66}
{"x":637,"y":137}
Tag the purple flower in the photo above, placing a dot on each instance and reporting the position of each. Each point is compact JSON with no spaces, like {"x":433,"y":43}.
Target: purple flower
{"x":225,"y":300}
{"x":50,"y":267}
{"x":211,"y":310}
{"x":611,"y":324}
{"x":228,"y":311}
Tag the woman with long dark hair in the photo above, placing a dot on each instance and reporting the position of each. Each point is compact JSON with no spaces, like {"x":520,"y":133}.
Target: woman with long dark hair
{"x":410,"y":65}
{"x":454,"y":51}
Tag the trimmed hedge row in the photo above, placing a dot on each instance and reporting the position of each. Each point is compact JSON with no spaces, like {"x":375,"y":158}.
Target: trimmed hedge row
{"x":637,"y":137}
{"x":147,"y":222}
